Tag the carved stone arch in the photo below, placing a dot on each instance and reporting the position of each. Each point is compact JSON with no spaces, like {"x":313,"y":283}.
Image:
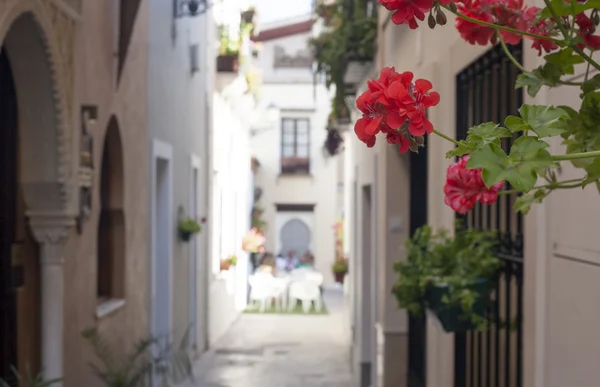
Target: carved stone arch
{"x":39,"y":41}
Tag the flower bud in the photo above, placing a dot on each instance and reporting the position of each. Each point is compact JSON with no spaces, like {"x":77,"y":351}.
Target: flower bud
{"x":431,"y":21}
{"x":414,"y":147}
{"x":452,"y":7}
{"x":440,"y":18}
{"x":420,"y":140}
{"x":596,"y":18}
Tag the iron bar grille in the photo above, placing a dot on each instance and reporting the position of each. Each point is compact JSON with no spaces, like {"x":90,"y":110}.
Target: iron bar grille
{"x":494,"y":357}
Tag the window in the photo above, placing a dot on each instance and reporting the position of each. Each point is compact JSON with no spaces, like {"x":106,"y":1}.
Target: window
{"x":295,"y":146}
{"x":111,"y":229}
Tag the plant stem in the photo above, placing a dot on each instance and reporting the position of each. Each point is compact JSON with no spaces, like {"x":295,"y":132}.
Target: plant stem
{"x":501,"y":28}
{"x":573,"y":183}
{"x":565,"y":33}
{"x":576,"y":156}
{"x":569,"y":83}
{"x":508,"y":54}
{"x":442,"y":135}
{"x":587,"y":69}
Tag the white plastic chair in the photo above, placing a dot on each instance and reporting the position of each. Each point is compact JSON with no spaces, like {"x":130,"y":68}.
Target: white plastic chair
{"x":261,"y":289}
{"x":307,"y":292}
{"x":279,"y":292}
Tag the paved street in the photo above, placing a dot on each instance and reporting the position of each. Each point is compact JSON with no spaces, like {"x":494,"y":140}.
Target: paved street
{"x":282,"y":351}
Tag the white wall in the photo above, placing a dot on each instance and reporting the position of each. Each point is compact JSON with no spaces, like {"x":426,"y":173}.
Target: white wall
{"x":230,"y":211}
{"x":178,"y":115}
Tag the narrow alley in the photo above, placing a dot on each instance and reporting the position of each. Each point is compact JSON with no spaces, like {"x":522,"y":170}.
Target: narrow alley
{"x":276,"y":350}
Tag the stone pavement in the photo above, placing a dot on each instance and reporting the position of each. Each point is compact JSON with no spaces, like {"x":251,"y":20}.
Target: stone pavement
{"x":282,"y":351}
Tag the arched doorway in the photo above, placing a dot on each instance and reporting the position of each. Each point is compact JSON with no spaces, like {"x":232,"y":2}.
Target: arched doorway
{"x":111,"y":230}
{"x":295,"y":236}
{"x":33,"y":169}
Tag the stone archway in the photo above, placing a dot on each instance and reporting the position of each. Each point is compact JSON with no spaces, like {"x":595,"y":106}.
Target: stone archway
{"x":37,"y":38}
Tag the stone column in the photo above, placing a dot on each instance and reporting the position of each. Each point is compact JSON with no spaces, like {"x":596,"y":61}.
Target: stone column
{"x":51,"y":232}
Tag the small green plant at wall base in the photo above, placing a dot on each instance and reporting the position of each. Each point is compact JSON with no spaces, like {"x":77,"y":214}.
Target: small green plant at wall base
{"x":189,"y":225}
{"x":340,"y":266}
{"x":232,"y":259}
{"x":28,"y":380}
{"x":149,"y":358}
{"x":454,"y":264}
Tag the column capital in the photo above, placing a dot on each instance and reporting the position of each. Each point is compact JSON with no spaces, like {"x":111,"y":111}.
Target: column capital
{"x":50,"y":228}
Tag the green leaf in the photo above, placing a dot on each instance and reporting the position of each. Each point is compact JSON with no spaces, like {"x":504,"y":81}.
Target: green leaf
{"x":461,"y":149}
{"x":531,"y":80}
{"x":593,"y":172}
{"x":492,"y":160}
{"x":479,"y":136}
{"x":524,"y":202}
{"x":545,"y":121}
{"x":488,"y":133}
{"x":516,"y":124}
{"x":547,"y":75}
{"x":527,"y":156}
{"x":591,"y":84}
{"x":565,"y":8}
{"x":565,"y":59}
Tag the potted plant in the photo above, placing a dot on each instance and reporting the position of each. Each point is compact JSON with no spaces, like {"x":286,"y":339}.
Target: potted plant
{"x":340,"y":269}
{"x":248,"y":15}
{"x":228,"y":262}
{"x":228,"y":60}
{"x":451,"y":276}
{"x":187,"y":228}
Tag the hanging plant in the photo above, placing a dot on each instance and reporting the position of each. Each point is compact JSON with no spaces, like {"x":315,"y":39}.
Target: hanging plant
{"x":187,"y":228}
{"x":333,"y":142}
{"x":451,"y":276}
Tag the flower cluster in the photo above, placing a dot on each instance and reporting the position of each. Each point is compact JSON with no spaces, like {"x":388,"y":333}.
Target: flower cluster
{"x":397,"y":107}
{"x":506,"y":13}
{"x":407,"y":11}
{"x":253,"y":241}
{"x":464,"y":187}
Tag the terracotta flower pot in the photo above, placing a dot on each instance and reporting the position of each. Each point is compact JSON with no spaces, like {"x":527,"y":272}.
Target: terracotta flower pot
{"x":225,"y":265}
{"x":339,"y":277}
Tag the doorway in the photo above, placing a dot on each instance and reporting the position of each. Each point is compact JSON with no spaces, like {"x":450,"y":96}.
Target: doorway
{"x":367,"y":326}
{"x":162,"y":239}
{"x":19,"y":266}
{"x":417,"y":326}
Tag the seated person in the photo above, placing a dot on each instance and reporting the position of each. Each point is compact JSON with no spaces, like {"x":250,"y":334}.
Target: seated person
{"x":267,"y":264}
{"x":280,"y":263}
{"x":307,"y":261}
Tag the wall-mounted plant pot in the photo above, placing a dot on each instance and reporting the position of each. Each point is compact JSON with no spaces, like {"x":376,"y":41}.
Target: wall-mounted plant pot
{"x":248,"y":16}
{"x":225,"y":265}
{"x":185,"y":236}
{"x":339,"y":277}
{"x":228,"y":63}
{"x":453,"y":318}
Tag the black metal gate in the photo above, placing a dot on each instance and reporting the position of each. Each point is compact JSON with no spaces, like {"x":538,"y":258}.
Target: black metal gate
{"x":8,"y":182}
{"x":494,"y":357}
{"x":417,"y":338}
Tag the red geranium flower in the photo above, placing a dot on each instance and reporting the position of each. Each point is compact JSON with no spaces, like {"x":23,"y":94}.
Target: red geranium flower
{"x":396,"y":106}
{"x":471,"y":32}
{"x":586,"y":30}
{"x":540,"y":27}
{"x":464,"y":187}
{"x":407,"y":11}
